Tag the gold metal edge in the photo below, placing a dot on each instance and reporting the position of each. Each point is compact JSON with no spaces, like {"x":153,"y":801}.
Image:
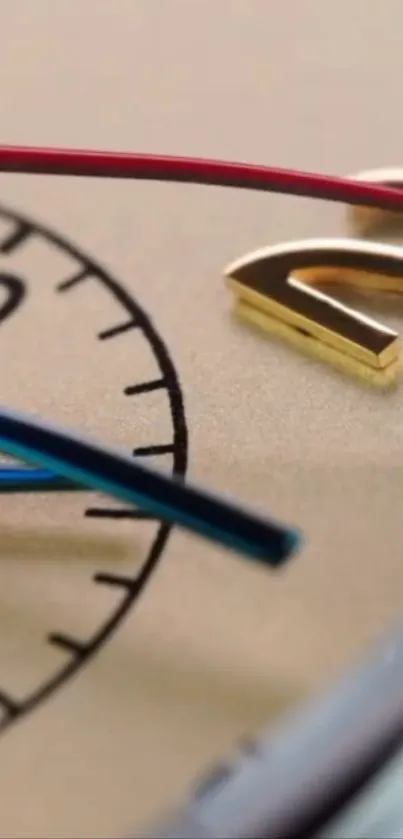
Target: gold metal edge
{"x":385,"y":378}
{"x":295,"y":321}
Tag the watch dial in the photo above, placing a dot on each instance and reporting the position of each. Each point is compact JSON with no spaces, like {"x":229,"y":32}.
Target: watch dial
{"x":115,"y":320}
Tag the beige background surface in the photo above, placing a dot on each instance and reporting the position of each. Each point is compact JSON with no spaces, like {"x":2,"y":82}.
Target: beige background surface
{"x":215,"y":647}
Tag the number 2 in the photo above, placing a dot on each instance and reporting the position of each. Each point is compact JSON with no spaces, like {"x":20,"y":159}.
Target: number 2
{"x":274,"y":289}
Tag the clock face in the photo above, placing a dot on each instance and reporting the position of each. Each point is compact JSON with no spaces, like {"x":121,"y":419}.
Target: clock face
{"x":123,"y":643}
{"x":114,"y":697}
{"x":66,"y":322}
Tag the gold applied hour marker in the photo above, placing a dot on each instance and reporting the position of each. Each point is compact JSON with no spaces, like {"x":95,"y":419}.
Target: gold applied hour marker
{"x":274,"y":290}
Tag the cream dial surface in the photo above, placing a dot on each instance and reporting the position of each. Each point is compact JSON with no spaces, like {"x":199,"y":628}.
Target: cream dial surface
{"x":214,"y":648}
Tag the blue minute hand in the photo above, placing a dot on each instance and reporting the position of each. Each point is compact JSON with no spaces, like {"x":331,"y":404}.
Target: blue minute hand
{"x":76,"y":461}
{"x":15,"y":479}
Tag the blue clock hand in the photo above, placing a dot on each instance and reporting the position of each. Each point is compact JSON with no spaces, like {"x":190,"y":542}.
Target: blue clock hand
{"x":109,"y":470}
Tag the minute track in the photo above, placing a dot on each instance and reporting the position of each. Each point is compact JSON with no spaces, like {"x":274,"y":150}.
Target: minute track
{"x":20,"y":232}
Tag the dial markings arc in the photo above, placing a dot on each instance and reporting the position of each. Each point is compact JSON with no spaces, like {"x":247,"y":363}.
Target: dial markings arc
{"x":132,"y":588}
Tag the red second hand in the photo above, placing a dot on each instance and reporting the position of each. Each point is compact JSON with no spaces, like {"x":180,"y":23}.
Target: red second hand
{"x":82,"y":163}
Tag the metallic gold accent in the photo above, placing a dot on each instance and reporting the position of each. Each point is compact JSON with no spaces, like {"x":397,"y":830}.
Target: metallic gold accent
{"x":273,"y":290}
{"x":366,"y":221}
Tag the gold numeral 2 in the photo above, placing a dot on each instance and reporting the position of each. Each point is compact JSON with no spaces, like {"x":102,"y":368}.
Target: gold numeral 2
{"x":275,"y":290}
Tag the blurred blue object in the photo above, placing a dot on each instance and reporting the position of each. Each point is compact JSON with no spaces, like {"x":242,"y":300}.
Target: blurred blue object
{"x":67,"y":461}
